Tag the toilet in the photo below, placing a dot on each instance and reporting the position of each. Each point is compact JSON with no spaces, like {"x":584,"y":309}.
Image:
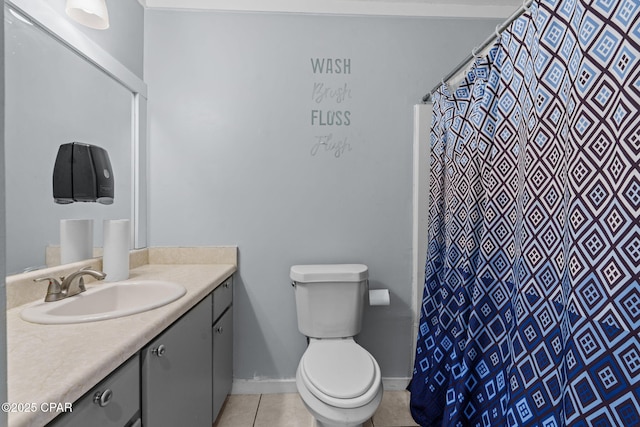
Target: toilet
{"x":338,"y":381}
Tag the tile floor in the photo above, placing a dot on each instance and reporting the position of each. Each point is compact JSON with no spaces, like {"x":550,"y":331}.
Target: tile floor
{"x":287,"y":410}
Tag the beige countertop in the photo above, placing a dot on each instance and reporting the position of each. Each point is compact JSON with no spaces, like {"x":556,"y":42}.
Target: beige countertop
{"x":59,"y":363}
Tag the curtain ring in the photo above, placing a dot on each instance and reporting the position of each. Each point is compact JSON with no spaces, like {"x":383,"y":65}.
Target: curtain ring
{"x":497,"y":31}
{"x":474,"y":52}
{"x":526,"y":4}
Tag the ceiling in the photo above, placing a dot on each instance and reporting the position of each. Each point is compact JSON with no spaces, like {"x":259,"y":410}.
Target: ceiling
{"x":431,"y":8}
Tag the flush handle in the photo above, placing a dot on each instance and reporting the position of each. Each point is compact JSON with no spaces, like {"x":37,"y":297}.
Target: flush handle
{"x":219,"y":329}
{"x":159,"y":350}
{"x":103,"y":398}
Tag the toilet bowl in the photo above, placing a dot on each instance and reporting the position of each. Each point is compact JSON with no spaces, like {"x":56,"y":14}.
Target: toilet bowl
{"x":339,"y":382}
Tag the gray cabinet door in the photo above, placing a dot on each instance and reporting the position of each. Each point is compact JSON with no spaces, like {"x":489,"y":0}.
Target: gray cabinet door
{"x":114,"y":402}
{"x":222,"y":360}
{"x":177,"y":372}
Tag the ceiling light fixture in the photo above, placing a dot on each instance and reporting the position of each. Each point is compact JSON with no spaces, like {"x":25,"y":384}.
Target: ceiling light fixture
{"x":91,"y":13}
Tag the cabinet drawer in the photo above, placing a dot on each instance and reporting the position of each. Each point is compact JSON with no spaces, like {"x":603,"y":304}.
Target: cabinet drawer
{"x":222,"y":298}
{"x":118,"y":410}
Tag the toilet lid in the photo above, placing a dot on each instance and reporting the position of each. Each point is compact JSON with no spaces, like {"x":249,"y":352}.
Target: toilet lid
{"x":339,"y":368}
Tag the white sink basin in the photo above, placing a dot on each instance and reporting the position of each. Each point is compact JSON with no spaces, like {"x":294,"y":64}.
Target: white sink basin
{"x":105,"y":301}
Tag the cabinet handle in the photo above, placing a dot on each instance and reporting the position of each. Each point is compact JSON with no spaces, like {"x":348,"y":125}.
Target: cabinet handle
{"x":103,"y":398}
{"x":219,"y":329}
{"x":226,"y":285}
{"x":159,"y":350}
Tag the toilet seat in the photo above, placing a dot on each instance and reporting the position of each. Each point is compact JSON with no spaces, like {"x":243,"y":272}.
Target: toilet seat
{"x":340,"y":373}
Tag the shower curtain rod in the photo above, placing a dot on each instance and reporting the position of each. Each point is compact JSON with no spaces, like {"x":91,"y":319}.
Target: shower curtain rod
{"x":499,"y":29}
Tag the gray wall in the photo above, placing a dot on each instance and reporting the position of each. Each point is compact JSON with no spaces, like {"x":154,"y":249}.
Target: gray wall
{"x":232,"y":137}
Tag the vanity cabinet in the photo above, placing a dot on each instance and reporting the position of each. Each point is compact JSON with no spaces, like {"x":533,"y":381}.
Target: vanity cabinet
{"x":177,"y":372}
{"x":114,"y":402}
{"x":222,"y":320}
{"x":180,"y":378}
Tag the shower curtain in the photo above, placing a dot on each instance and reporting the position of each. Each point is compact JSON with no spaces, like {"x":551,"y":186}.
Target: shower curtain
{"x":531,"y":306}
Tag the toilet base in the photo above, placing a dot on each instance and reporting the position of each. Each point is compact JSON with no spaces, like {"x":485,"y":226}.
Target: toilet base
{"x":321,"y":424}
{"x":328,"y":416}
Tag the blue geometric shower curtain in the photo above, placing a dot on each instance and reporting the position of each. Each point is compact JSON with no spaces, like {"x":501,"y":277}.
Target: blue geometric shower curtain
{"x":531,"y":307}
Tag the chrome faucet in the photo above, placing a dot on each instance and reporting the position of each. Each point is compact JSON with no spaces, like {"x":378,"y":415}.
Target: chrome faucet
{"x":68,"y":286}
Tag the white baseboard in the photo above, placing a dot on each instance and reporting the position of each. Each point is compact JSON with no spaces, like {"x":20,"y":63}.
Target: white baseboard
{"x":395,"y":384}
{"x":263,"y":386}
{"x":289,"y":385}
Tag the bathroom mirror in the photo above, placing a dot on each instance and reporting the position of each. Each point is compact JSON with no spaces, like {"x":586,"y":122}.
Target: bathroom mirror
{"x":56,"y":93}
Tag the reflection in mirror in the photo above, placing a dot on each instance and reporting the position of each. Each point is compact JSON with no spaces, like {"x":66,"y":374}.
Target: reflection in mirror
{"x":54,"y":96}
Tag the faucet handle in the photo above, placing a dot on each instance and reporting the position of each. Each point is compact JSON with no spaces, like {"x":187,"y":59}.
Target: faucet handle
{"x":52,"y":281}
{"x":54,"y":290}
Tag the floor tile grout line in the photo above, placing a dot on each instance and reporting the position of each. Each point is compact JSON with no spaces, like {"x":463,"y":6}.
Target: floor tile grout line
{"x":255,"y":416}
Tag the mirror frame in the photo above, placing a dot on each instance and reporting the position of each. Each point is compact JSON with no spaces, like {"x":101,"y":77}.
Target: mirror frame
{"x":59,"y":27}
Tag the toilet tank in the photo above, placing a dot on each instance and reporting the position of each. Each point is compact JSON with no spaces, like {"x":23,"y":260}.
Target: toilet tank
{"x":330,"y":298}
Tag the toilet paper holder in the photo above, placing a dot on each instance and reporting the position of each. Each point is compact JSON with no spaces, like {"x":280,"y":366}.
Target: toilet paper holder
{"x":379,"y":297}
